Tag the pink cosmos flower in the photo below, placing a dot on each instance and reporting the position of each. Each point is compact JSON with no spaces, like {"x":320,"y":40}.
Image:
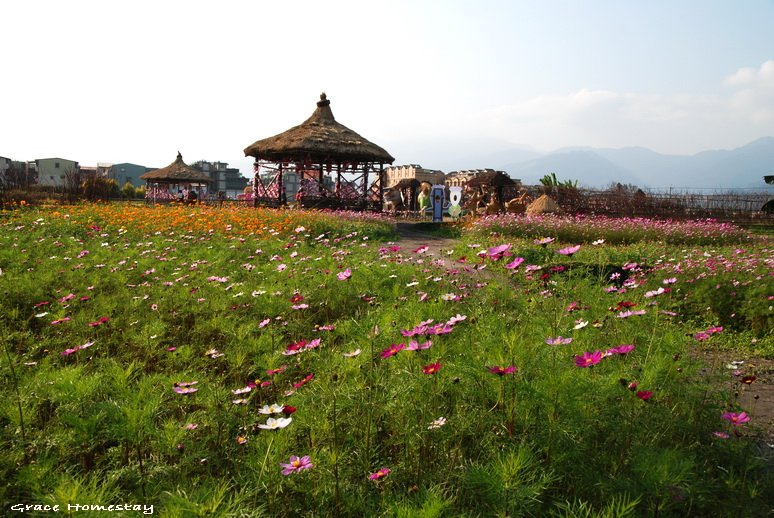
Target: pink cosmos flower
{"x":568,"y":251}
{"x":502,"y":371}
{"x":313,"y":343}
{"x":343,"y":276}
{"x":272,"y":372}
{"x":185,"y":387}
{"x":263,"y":323}
{"x":655,"y":293}
{"x":67,"y":298}
{"x":559,"y":340}
{"x":496,"y":252}
{"x":380,"y":473}
{"x":515,"y":263}
{"x":440,"y":329}
{"x":736,"y":418}
{"x":392,"y":350}
{"x":588,"y":359}
{"x":544,"y":241}
{"x":630,"y":313}
{"x":416,"y":346}
{"x":456,"y":319}
{"x":721,"y":435}
{"x":59,"y":321}
{"x":294,"y":348}
{"x":296,"y":465}
{"x":432,"y":368}
{"x":422,"y":249}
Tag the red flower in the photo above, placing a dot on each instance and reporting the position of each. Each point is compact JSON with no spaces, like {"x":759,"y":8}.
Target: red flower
{"x":288,"y":410}
{"x":432,"y":368}
{"x":304,"y":381}
{"x":644,"y":394}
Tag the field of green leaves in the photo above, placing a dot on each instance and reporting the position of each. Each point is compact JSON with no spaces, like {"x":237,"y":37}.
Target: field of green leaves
{"x":252,"y":362}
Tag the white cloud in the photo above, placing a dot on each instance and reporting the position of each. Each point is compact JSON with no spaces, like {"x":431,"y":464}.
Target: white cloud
{"x":671,"y":123}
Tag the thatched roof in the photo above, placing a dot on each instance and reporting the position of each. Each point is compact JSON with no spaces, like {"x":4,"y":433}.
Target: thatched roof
{"x":319,"y":139}
{"x":544,"y":204}
{"x":495,"y":179}
{"x":177,"y":172}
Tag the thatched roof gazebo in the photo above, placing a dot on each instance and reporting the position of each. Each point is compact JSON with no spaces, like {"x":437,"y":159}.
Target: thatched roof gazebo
{"x":317,"y":146}
{"x":177,"y":174}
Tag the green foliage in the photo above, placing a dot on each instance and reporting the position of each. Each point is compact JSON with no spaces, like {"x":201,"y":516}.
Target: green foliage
{"x":550,"y":180}
{"x":128,"y":190}
{"x":104,"y":423}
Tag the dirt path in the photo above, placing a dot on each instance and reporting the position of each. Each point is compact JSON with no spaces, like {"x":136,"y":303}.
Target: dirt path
{"x":412,"y":237}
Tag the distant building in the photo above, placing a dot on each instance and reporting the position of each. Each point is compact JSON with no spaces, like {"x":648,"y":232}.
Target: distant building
{"x":55,"y":172}
{"x":226,"y":180}
{"x":127,"y":172}
{"x":394,"y":174}
{"x":5,"y":165}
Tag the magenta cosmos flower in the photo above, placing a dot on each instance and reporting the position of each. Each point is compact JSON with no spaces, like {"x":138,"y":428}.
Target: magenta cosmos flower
{"x":502,"y":371}
{"x":736,"y":419}
{"x":380,"y":473}
{"x":644,"y":394}
{"x":296,"y":464}
{"x":588,"y":359}
{"x":343,"y":276}
{"x":623,"y":350}
{"x":392,"y":350}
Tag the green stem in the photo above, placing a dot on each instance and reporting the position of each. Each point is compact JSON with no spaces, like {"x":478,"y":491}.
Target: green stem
{"x":265,"y":458}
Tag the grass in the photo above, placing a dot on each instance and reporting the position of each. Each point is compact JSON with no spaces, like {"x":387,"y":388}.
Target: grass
{"x":109,"y":317}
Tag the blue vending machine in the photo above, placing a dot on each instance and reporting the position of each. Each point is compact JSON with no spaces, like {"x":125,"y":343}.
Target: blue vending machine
{"x":438,"y":198}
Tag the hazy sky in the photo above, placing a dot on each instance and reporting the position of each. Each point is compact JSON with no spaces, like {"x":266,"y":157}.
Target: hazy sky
{"x":137,"y":81}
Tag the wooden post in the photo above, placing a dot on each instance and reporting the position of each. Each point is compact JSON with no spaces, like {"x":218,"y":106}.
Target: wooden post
{"x":381,"y":186}
{"x":279,"y":186}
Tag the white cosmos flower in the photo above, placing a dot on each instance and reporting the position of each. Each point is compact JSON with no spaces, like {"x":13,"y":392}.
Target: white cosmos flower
{"x":276,"y":424}
{"x":352,"y":354}
{"x":581,"y":324}
{"x":271,"y":409}
{"x":437,"y":423}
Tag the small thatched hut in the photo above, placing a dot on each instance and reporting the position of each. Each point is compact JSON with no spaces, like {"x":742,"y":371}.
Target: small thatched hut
{"x":177,"y":175}
{"x":543,"y":205}
{"x":313,"y":148}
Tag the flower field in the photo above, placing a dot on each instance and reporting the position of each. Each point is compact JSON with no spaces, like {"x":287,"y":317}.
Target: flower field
{"x":255,"y":362}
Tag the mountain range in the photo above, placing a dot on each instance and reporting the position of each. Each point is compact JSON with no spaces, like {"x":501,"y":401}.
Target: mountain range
{"x":740,"y":168}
